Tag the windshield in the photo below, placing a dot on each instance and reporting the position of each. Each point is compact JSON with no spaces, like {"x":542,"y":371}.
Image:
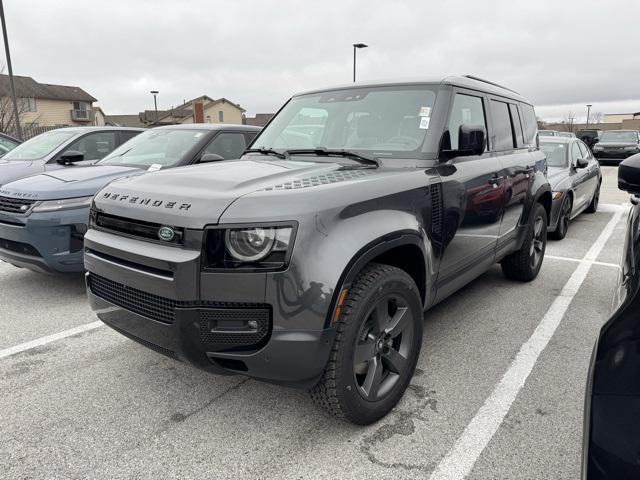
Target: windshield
{"x":614,"y":136}
{"x":556,"y":154}
{"x":40,"y":146}
{"x":158,"y":148}
{"x":383,"y":121}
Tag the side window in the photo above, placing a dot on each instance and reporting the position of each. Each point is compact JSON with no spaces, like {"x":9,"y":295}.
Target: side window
{"x":575,"y":153}
{"x":126,"y":135}
{"x":228,"y":145}
{"x":249,"y":136}
{"x":95,"y":145}
{"x":517,"y":125}
{"x":584,"y":151}
{"x":530,"y":124}
{"x":501,"y":131}
{"x":466,"y":110}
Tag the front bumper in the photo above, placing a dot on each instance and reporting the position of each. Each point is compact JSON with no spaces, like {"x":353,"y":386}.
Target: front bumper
{"x":44,"y":242}
{"x":613,"y":155}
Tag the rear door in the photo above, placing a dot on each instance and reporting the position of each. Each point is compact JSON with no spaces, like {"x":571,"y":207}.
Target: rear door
{"x":591,"y":172}
{"x":472,"y":194}
{"x":581,"y":178}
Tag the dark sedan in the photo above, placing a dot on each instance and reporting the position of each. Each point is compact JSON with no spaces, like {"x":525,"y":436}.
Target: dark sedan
{"x":612,"y":406}
{"x":575,"y":178}
{"x":616,"y":145}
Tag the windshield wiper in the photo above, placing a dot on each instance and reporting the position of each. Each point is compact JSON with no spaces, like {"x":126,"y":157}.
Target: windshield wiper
{"x":267,"y":151}
{"x":321,"y":151}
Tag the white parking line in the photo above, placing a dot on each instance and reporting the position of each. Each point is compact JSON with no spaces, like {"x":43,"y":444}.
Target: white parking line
{"x":7,"y":352}
{"x":581,"y":260}
{"x":459,"y":461}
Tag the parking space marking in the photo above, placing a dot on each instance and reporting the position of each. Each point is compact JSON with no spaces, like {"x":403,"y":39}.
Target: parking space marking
{"x":459,"y":461}
{"x":7,"y":352}
{"x":582,"y":260}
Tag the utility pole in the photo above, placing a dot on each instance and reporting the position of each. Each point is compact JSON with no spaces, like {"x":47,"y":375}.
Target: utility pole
{"x":588,"y":112}
{"x":155,"y":103}
{"x":571,"y":119}
{"x":10,"y":68}
{"x":355,"y":47}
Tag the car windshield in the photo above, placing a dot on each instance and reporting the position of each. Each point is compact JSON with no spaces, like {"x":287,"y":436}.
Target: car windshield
{"x":565,"y":134}
{"x":377,"y":121}
{"x":546,"y":133}
{"x":616,"y":136}
{"x":40,"y":146}
{"x":556,"y":154}
{"x":158,"y":148}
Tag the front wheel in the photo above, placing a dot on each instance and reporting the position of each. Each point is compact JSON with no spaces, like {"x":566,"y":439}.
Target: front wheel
{"x":563,"y":219}
{"x":525,"y":263}
{"x":593,"y":206}
{"x":377,"y":345}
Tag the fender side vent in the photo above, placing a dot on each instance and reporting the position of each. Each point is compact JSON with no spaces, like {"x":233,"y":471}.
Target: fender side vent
{"x":436,"y":210}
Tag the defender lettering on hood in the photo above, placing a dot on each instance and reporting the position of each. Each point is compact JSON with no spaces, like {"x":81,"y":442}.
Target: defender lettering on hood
{"x":135,"y":199}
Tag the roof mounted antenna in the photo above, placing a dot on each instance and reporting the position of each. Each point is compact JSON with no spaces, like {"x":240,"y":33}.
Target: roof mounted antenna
{"x":472,"y":77}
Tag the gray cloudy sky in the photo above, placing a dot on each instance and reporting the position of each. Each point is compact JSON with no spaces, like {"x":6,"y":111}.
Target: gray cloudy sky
{"x":560,"y":54}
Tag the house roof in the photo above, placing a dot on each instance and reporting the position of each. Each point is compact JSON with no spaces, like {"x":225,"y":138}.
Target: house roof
{"x":184,"y":110}
{"x":124,"y":120}
{"x":27,"y":87}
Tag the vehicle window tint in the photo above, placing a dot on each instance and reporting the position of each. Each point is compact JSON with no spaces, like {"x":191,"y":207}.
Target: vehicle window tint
{"x":584,"y":151}
{"x":228,"y":145}
{"x":575,"y":153}
{"x":501,"y":131}
{"x":517,"y":124}
{"x":6,"y":145}
{"x":466,"y":110}
{"x":126,"y":135}
{"x":250,"y":136}
{"x":530,"y":124}
{"x":95,"y":145}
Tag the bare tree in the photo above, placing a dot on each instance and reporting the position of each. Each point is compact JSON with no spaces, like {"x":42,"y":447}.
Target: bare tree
{"x":595,"y":117}
{"x":7,"y":117}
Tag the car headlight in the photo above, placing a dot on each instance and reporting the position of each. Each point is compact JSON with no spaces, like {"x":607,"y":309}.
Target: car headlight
{"x":557,"y":195}
{"x":632,"y":148}
{"x":249,"y":247}
{"x":64,"y":204}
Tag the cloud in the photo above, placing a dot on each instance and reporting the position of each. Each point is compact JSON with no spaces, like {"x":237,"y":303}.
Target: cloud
{"x":258,"y":53}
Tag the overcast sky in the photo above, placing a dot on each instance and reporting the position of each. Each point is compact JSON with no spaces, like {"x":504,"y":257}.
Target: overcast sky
{"x":560,"y":54}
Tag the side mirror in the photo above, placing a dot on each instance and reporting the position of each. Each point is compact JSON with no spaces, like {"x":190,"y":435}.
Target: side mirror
{"x":70,"y":156}
{"x":210,"y":157}
{"x":582,"y":163}
{"x":472,"y":140}
{"x":629,"y":175}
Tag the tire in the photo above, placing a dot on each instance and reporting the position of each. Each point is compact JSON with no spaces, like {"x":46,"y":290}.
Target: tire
{"x":564,"y":219}
{"x":593,"y":206}
{"x":524,"y":264}
{"x":363,"y":392}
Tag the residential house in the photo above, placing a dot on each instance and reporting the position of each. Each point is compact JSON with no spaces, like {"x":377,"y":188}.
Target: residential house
{"x":203,"y":109}
{"x":45,"y":104}
{"x":260,"y":120}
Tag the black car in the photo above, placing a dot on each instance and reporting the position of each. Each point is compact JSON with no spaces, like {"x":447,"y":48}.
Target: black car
{"x":590,"y":136}
{"x":7,"y":143}
{"x":310,"y":261}
{"x":616,"y":145}
{"x":575,"y":178}
{"x":612,"y":407}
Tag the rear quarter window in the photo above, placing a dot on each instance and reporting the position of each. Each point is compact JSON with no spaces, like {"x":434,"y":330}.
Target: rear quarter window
{"x":530,"y":124}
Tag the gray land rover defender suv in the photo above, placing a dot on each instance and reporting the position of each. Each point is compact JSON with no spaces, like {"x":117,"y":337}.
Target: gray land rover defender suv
{"x":310,"y":261}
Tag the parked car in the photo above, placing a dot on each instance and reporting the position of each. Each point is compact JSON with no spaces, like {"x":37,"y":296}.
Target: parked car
{"x":575,"y":178}
{"x":589,"y":136}
{"x":43,"y":218}
{"x":566,"y":134}
{"x":548,"y":133}
{"x":611,"y":440}
{"x":616,"y":145}
{"x":7,"y":143}
{"x":62,"y":148}
{"x":310,"y":261}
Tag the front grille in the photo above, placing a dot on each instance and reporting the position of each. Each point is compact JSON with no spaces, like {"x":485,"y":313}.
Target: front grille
{"x":19,"y":247}
{"x":141,"y":341}
{"x":134,"y":228}
{"x":15,"y":205}
{"x":222,"y":323}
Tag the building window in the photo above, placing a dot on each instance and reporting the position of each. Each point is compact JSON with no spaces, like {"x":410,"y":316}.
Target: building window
{"x":28,"y":104}
{"x":220,"y":116}
{"x":208,"y":118}
{"x":79,"y":106}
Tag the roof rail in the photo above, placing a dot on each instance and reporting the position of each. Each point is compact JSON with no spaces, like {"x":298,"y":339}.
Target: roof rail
{"x":471,"y":77}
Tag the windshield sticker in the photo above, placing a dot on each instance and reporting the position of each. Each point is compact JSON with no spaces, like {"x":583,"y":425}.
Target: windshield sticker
{"x":424,"y":122}
{"x":425,"y":112}
{"x":154,"y":167}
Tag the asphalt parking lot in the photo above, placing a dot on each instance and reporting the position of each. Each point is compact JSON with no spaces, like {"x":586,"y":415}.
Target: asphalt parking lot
{"x":498,"y":392}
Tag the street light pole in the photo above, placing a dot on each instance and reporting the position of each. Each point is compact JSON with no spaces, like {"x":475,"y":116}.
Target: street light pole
{"x":355,"y":47}
{"x":155,"y":103}
{"x":588,"y":111}
{"x":11,"y":85}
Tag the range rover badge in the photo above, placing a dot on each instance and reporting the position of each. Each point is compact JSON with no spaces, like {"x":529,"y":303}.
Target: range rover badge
{"x":166,"y":233}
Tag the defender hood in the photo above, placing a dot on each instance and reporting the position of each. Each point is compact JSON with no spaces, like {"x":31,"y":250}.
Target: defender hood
{"x":198,"y":195}
{"x":67,"y":183}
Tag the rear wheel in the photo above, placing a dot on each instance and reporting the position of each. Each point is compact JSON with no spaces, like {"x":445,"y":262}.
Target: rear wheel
{"x":377,"y":345}
{"x":563,"y":219}
{"x":524,"y":264}
{"x":593,"y":206}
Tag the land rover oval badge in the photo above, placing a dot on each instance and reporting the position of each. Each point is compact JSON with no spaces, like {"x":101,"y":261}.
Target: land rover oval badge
{"x":166,"y":233}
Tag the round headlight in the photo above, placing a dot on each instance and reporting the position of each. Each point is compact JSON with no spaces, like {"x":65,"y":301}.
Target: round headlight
{"x":250,"y":244}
